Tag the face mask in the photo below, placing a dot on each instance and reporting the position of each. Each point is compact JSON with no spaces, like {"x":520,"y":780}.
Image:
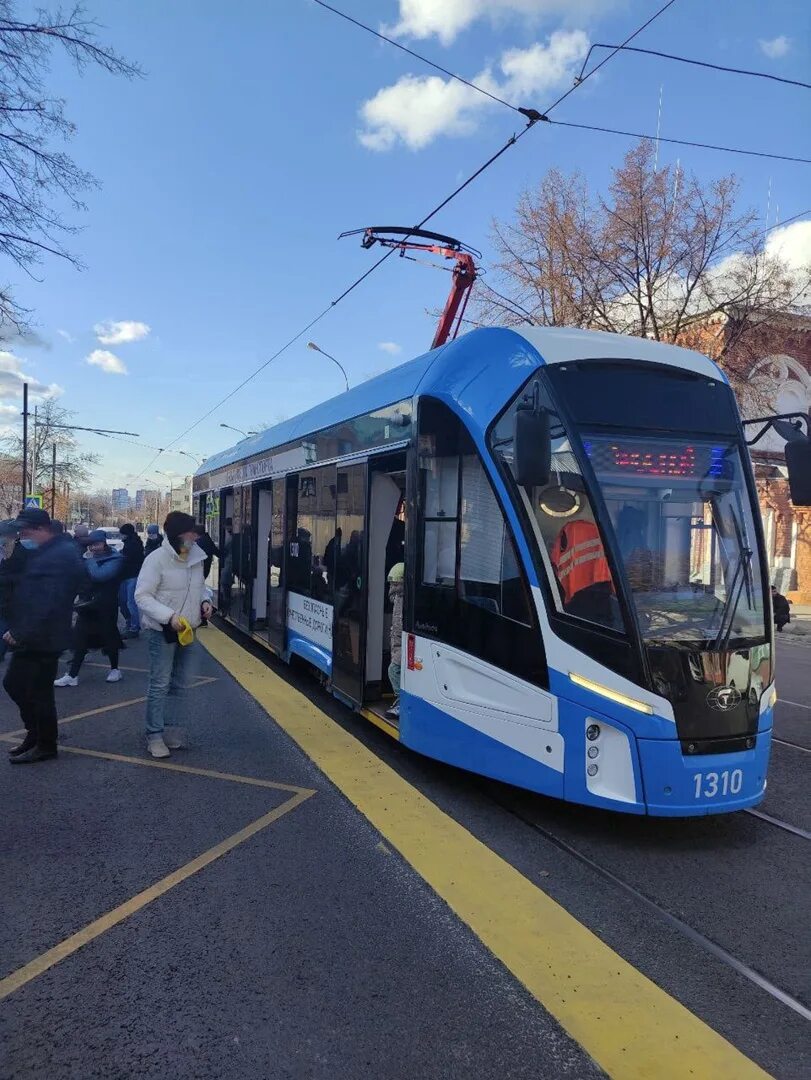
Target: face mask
{"x":187,"y":545}
{"x":29,"y":544}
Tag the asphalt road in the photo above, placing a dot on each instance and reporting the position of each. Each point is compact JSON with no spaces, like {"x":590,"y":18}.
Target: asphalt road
{"x":313,"y":950}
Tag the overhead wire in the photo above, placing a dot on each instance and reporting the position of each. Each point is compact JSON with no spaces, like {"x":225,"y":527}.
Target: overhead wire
{"x":532,"y":115}
{"x":696,"y":63}
{"x":581,"y":78}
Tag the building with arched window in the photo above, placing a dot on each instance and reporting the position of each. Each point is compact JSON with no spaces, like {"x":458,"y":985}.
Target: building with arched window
{"x":780,"y":382}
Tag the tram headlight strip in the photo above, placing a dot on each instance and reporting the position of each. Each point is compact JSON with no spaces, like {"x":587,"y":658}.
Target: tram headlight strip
{"x":612,"y":695}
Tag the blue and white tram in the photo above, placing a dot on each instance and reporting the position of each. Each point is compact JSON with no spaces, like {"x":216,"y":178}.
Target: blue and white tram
{"x":586,"y":606}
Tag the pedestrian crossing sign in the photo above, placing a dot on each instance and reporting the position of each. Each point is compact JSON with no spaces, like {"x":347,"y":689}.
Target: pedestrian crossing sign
{"x":33,"y":502}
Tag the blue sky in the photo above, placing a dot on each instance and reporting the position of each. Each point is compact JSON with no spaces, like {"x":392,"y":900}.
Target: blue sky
{"x":229,"y":170}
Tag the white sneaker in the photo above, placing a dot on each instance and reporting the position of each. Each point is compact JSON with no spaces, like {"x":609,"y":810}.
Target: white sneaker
{"x":114,"y":676}
{"x":176,"y":738}
{"x":156,"y":747}
{"x":66,"y":680}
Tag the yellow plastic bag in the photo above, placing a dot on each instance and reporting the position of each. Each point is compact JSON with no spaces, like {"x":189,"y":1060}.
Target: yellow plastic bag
{"x":185,"y":634}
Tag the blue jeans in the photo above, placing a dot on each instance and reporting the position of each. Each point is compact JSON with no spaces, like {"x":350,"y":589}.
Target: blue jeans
{"x":171,"y":668}
{"x":127,"y":605}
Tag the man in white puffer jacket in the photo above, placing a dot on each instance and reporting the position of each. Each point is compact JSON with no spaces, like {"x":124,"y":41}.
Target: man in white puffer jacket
{"x":170,"y":586}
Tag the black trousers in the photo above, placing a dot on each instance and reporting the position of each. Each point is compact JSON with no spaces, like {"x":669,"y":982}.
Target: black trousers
{"x":29,"y":682}
{"x":90,"y":634}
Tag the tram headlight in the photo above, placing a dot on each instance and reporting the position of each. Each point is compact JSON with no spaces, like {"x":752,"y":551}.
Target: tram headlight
{"x":592,"y":770}
{"x":593,"y":751}
{"x":593,"y":732}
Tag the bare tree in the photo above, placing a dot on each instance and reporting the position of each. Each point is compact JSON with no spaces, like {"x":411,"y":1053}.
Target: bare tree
{"x":36,"y":177}
{"x":11,"y":493}
{"x":74,"y":467}
{"x":662,"y":257}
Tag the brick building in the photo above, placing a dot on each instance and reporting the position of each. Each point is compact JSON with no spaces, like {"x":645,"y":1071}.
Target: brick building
{"x":779,"y":364}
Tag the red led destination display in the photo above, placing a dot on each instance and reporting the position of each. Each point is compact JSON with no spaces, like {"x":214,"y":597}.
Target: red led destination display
{"x":639,"y":458}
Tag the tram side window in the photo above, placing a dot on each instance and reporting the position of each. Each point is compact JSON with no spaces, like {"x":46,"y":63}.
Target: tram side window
{"x":489,"y":571}
{"x":308,"y":569}
{"x":467,"y":547}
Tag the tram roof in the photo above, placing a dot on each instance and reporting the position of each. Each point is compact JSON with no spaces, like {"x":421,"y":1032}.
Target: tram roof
{"x":555,"y":345}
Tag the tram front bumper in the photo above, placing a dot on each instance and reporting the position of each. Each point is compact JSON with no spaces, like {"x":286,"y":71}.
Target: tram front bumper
{"x":678,"y":785}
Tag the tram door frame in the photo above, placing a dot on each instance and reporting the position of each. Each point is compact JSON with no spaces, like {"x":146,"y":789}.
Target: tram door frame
{"x":349,"y":610}
{"x":282,"y":491}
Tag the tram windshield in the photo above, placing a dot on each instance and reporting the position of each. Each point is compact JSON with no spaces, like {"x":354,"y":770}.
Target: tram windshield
{"x":683,"y":522}
{"x":678,"y":504}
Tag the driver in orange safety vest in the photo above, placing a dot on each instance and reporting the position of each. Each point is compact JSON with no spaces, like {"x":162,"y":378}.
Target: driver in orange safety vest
{"x":578,"y":558}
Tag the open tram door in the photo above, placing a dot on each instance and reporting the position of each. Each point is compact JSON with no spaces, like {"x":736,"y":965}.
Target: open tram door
{"x":370,"y":535}
{"x":348,"y":567}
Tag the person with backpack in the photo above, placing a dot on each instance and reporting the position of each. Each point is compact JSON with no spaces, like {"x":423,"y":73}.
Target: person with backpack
{"x":97,"y":609}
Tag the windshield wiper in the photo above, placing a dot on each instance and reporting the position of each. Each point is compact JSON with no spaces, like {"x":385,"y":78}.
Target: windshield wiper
{"x":739,"y":579}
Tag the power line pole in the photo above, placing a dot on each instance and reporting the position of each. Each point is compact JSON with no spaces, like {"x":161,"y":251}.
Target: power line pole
{"x":53,"y":479}
{"x":25,"y":442}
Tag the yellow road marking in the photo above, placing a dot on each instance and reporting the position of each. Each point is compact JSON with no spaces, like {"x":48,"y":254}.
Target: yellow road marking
{"x":236,"y":778}
{"x":628,"y":1024}
{"x":118,"y":914}
{"x":12,"y":736}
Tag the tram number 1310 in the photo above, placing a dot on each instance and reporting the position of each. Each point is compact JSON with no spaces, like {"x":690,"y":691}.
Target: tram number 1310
{"x":727,"y":782}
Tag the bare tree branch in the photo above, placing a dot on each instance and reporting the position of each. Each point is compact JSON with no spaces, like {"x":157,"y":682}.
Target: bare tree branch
{"x":36,"y":176}
{"x":661,"y":256}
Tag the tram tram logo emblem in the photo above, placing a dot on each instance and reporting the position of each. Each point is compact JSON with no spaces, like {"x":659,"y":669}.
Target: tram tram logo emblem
{"x":723,"y":698}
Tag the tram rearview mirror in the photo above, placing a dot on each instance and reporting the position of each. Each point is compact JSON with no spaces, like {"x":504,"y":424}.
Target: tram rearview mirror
{"x":533,"y":447}
{"x":798,"y":463}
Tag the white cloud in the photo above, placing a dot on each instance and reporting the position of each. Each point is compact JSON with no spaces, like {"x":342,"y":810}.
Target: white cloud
{"x":446,"y":19}
{"x":107,"y":361}
{"x":792,"y":243}
{"x":775,"y":47}
{"x":418,"y":109}
{"x":391,"y":347}
{"x":120,"y":333}
{"x":12,"y":378}
{"x":68,"y":337}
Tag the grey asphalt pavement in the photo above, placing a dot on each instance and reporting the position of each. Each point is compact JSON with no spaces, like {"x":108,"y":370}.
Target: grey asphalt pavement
{"x":310,"y":950}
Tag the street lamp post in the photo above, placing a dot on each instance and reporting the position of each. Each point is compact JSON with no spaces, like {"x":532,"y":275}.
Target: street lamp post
{"x":169,"y":477}
{"x":230,"y":427}
{"x":317,"y":348}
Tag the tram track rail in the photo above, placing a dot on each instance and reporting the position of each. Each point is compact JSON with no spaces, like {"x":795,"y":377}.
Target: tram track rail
{"x":788,"y":742}
{"x":683,"y":928}
{"x":795,"y":829}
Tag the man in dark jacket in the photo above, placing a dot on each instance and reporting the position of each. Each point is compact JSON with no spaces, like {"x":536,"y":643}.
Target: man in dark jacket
{"x":781,"y":608}
{"x":133,"y":552}
{"x":12,"y":560}
{"x":39,"y":630}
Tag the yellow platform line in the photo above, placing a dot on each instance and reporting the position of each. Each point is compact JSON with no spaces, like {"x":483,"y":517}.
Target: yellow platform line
{"x":171,"y":766}
{"x":628,"y":1024}
{"x":118,"y":914}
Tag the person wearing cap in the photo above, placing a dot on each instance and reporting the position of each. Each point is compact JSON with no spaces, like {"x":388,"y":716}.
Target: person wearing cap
{"x":133,"y":552}
{"x":153,"y":539}
{"x":171,"y":588}
{"x":40,"y":618}
{"x":97,"y":609}
{"x":396,"y":575}
{"x":12,"y":560}
{"x":80,"y":535}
